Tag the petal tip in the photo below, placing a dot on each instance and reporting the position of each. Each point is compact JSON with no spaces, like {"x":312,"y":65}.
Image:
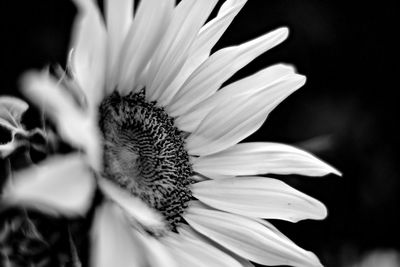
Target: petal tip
{"x":302,"y":79}
{"x":332,"y":170}
{"x":336,"y":172}
{"x":284,"y":31}
{"x":323,"y":212}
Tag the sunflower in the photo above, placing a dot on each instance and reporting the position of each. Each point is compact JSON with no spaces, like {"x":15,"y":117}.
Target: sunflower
{"x":143,"y":101}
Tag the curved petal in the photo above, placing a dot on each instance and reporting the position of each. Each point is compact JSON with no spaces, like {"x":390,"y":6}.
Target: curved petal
{"x":118,"y":16}
{"x":170,"y":56}
{"x":74,"y":125}
{"x":12,"y":109}
{"x":271,"y":227}
{"x":113,"y":241}
{"x":8,"y":148}
{"x":148,"y":28}
{"x":234,"y":119}
{"x":135,"y":207}
{"x":211,"y":32}
{"x":246,"y":86}
{"x":89,"y":51}
{"x":259,"y":197}
{"x":248,"y":238}
{"x":157,"y":254}
{"x":219,"y":67}
{"x":199,"y":51}
{"x":61,"y":185}
{"x":262,"y":158}
{"x":190,"y":252}
{"x":5,"y":120}
{"x":189,"y":232}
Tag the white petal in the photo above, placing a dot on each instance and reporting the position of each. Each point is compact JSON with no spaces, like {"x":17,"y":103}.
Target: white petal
{"x":151,"y":21}
{"x":12,"y":109}
{"x":248,"y":238}
{"x":157,"y":253}
{"x":188,"y":232}
{"x":246,"y":86}
{"x":6,"y":118}
{"x":211,"y":32}
{"x":9,"y":148}
{"x":89,"y":51}
{"x":219,"y":67}
{"x":170,"y":56}
{"x":135,"y":207}
{"x":199,"y":51}
{"x":119,"y":16}
{"x":189,"y":252}
{"x":74,"y":125}
{"x":60,"y":185}
{"x":259,"y":197}
{"x":234,"y":119}
{"x":113,"y":241}
{"x":228,"y":5}
{"x":271,"y":227}
{"x":262,"y":158}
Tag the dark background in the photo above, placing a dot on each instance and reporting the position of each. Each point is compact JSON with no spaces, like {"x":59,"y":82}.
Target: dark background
{"x":345,"y":114}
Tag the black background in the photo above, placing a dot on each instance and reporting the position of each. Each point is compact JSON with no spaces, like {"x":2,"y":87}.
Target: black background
{"x":345,"y":114}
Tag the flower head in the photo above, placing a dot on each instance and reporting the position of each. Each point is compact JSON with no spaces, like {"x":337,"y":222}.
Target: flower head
{"x":143,"y":101}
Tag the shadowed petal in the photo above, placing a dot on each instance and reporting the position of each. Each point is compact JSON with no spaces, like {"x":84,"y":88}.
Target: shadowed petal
{"x":113,"y":240}
{"x":133,"y":206}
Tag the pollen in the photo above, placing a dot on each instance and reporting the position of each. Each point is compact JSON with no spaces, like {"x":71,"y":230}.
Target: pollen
{"x":145,"y":154}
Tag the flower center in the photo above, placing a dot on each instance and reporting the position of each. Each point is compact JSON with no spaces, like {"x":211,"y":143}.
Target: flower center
{"x":145,"y":154}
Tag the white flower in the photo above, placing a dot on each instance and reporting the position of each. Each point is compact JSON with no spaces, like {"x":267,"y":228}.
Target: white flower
{"x":144,"y":102}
